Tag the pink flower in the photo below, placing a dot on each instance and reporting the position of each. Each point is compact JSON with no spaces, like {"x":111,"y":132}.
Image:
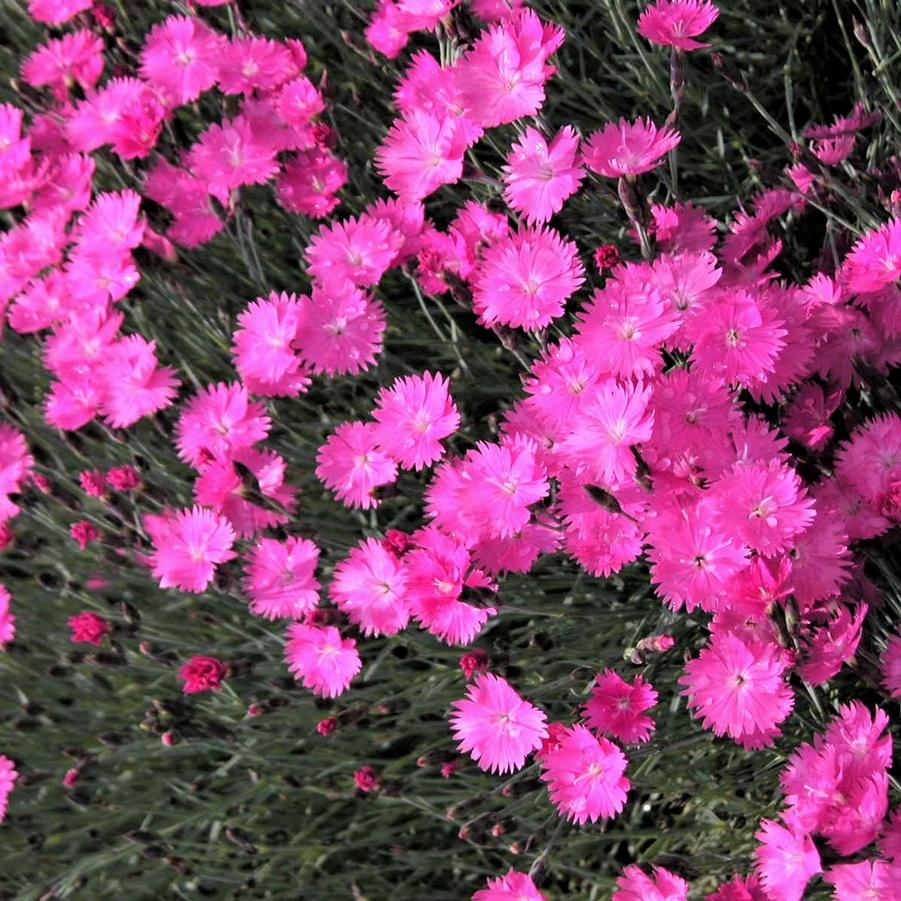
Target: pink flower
{"x":617,"y":707}
{"x":875,"y":260}
{"x":868,"y":879}
{"x":358,"y":251}
{"x":585,"y":776}
{"x":614,"y":418}
{"x":539,"y":177}
{"x":253,"y":63}
{"x":636,"y":885}
{"x":123,"y":478}
{"x":763,"y":505}
{"x":352,"y":464}
{"x":512,"y":886}
{"x":474,"y":662}
{"x":321,"y":659}
{"x":676,"y":23}
{"x":439,"y":568}
{"x":496,"y":726}
{"x":739,"y":689}
{"x":625,"y":324}
{"x":55,"y":12}
{"x":8,"y":776}
{"x":891,"y":666}
{"x":412,"y":417}
{"x":628,"y":148}
{"x":310,"y":181}
{"x":525,"y":279}
{"x":188,"y":548}
{"x":93,"y":482}
{"x":88,"y":627}
{"x":366,"y":779}
{"x":181,"y":56}
{"x":341,"y":332}
{"x":263,"y":345}
{"x":280,"y":578}
{"x":369,"y":585}
{"x":7,"y":619}
{"x":502,"y":77}
{"x":202,"y":674}
{"x":73,"y":58}
{"x":70,"y":779}
{"x":217,"y":421}
{"x":232,"y":154}
{"x":420,"y":153}
{"x":786,"y":860}
{"x":84,"y":533}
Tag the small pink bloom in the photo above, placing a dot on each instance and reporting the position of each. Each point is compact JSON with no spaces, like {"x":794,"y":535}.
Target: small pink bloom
{"x":618,"y":708}
{"x":84,"y":533}
{"x":327,"y":726}
{"x":71,"y":777}
{"x":676,"y":23}
{"x":474,"y":662}
{"x":123,"y":478}
{"x":319,"y":657}
{"x":202,"y":674}
{"x":628,"y":148}
{"x":636,"y":885}
{"x":366,"y":779}
{"x":93,"y":482}
{"x":512,"y":886}
{"x":88,"y":627}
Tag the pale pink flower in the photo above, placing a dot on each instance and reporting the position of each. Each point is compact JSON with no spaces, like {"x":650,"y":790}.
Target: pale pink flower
{"x":496,"y":726}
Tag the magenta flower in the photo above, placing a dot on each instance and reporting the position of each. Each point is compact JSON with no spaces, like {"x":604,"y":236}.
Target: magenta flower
{"x":7,"y":619}
{"x":618,"y":708}
{"x":676,"y":23}
{"x":8,"y":776}
{"x":280,"y":578}
{"x":585,"y":776}
{"x":496,"y":726}
{"x":787,"y":860}
{"x":636,"y":885}
{"x":512,"y":886}
{"x":88,"y":627}
{"x":202,"y":674}
{"x":263,"y":343}
{"x":628,"y":148}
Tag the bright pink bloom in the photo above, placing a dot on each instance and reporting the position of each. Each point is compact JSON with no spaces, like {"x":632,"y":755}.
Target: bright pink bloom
{"x":93,"y":482}
{"x":202,"y":674}
{"x":55,"y":12}
{"x":539,"y":177}
{"x":525,"y":279}
{"x":412,"y":417}
{"x":625,"y":323}
{"x":868,"y":880}
{"x":217,"y":421}
{"x":496,"y":726}
{"x":614,"y":419}
{"x":682,"y":228}
{"x":84,"y":533}
{"x":341,"y":332}
{"x":369,"y":585}
{"x":875,"y":260}
{"x":190,"y":545}
{"x":181,"y":56}
{"x":420,"y":153}
{"x":75,"y":58}
{"x":676,"y":23}
{"x":628,"y":148}
{"x":586,"y":776}
{"x":70,"y":779}
{"x":263,"y":344}
{"x":636,"y":885}
{"x":253,"y":63}
{"x":739,"y":888}
{"x":787,"y":860}
{"x":502,"y":77}
{"x":352,"y":464}
{"x":310,"y":181}
{"x":8,"y":776}
{"x":512,"y":886}
{"x":280,"y":578}
{"x":321,"y":659}
{"x":739,"y":689}
{"x":359,"y":251}
{"x":474,"y":662}
{"x":88,"y":627}
{"x":7,"y":619}
{"x":618,"y":708}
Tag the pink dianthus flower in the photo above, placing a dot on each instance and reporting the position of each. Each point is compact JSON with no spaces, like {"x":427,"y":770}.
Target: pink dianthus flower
{"x":202,"y":674}
{"x":676,"y":23}
{"x":321,"y":659}
{"x":618,"y":708}
{"x":628,"y":148}
{"x":280,"y":578}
